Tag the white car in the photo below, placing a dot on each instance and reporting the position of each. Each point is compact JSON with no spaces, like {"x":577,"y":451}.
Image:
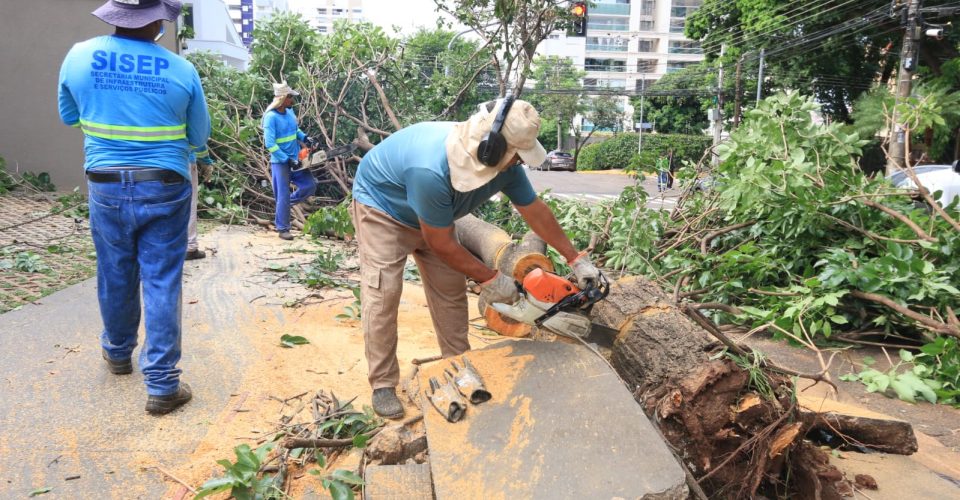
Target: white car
{"x":945,"y":178}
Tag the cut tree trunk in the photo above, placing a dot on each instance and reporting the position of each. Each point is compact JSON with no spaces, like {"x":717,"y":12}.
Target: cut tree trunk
{"x":740,"y":437}
{"x":497,"y":250}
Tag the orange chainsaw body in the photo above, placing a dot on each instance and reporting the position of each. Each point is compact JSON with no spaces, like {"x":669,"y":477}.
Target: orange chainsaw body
{"x":547,"y":287}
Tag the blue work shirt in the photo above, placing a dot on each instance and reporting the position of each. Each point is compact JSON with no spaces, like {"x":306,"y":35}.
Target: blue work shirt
{"x":408,"y":177}
{"x":137,"y":103}
{"x":281,"y":135}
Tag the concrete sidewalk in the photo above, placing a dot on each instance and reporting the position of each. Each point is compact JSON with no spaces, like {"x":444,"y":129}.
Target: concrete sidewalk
{"x":62,"y":414}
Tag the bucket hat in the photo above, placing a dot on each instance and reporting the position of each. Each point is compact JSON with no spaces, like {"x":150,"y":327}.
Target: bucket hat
{"x":280,"y":92}
{"x":137,"y":13}
{"x":520,"y":129}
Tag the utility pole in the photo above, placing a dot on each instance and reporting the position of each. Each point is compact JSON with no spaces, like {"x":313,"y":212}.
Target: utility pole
{"x":643,"y":92}
{"x":718,"y":116}
{"x":736,"y":97}
{"x":760,"y":76}
{"x":896,"y":159}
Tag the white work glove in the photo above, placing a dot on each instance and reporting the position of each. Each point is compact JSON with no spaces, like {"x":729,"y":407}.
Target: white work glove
{"x":584,"y":270}
{"x":500,"y":288}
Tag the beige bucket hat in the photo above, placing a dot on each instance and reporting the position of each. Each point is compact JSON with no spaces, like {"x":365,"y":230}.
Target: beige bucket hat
{"x":520,"y":129}
{"x":280,"y":91}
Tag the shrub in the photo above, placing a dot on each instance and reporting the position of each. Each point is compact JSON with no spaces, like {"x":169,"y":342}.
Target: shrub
{"x":621,"y":151}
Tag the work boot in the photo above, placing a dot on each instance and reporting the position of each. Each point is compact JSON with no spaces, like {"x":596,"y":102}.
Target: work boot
{"x":285,"y":235}
{"x":386,"y":404}
{"x":195,"y":254}
{"x":117,"y":367}
{"x":161,"y":405}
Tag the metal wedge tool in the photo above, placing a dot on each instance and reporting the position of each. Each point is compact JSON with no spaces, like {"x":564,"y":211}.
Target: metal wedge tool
{"x":469,"y":382}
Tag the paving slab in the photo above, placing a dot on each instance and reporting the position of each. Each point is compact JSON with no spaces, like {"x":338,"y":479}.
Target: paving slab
{"x":560,"y":424}
{"x":63,"y":415}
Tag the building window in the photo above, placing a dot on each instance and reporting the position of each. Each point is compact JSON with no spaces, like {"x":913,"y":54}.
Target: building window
{"x":647,"y":45}
{"x":644,"y":84}
{"x":678,"y":65}
{"x":647,"y":25}
{"x":607,"y":44}
{"x":603,"y":83}
{"x":679,"y":12}
{"x":646,"y":65}
{"x":322,"y":29}
{"x":648,"y":7}
{"x":684,"y":47}
{"x":608,"y":23}
{"x":322,"y":11}
{"x":188,"y":16}
{"x":337,"y":12}
{"x":611,"y":65}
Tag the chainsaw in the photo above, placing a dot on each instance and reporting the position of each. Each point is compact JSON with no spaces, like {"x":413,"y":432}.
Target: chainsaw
{"x":314,"y":157}
{"x":553,"y":302}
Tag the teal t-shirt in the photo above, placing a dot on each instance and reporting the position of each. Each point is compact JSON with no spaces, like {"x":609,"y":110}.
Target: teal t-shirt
{"x":408,"y":177}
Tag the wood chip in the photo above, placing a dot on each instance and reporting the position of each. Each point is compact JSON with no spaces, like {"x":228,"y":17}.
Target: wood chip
{"x":785,"y":437}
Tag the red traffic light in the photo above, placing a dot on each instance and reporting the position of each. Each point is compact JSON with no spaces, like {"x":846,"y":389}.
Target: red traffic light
{"x":578,"y":9}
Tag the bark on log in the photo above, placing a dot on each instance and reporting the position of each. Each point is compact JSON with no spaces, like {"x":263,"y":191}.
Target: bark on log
{"x":495,"y":248}
{"x":888,"y":436}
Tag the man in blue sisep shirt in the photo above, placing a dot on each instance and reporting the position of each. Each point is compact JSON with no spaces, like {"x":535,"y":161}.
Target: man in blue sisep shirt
{"x":282,"y":137}
{"x":141,"y":109}
{"x":408,"y":192}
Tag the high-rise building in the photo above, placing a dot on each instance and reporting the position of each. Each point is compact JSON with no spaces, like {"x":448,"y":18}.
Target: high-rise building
{"x":325,"y":12}
{"x":630,"y":44}
{"x":209,"y":28}
{"x":246,"y":12}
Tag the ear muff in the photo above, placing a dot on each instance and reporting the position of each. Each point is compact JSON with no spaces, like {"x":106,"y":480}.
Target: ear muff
{"x":493,"y":146}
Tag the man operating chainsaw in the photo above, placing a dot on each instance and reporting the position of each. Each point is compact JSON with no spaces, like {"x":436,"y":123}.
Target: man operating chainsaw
{"x":408,"y":192}
{"x":281,"y":136}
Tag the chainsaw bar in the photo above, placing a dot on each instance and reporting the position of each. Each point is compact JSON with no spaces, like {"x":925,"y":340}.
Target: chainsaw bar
{"x":321,"y":156}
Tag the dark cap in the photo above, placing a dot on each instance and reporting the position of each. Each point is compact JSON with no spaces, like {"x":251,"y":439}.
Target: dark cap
{"x":137,"y":13}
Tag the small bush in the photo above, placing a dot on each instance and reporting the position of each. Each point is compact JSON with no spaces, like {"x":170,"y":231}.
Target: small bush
{"x":621,"y":151}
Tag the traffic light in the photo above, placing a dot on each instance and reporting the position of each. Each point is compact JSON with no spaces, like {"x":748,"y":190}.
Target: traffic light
{"x":579,"y":12}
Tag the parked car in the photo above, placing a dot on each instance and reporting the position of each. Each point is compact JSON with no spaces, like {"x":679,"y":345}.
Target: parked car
{"x":945,"y":178}
{"x":558,"y":160}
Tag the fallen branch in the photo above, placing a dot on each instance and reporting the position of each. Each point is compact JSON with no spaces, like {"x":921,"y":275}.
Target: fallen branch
{"x":705,"y":242}
{"x":292,"y":443}
{"x":926,"y":321}
{"x":902,"y":218}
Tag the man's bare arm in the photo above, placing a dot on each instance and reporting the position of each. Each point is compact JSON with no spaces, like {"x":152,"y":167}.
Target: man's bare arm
{"x":443,"y":242}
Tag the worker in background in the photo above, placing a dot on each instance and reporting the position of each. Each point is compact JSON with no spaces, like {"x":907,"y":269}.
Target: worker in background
{"x":282,"y":137}
{"x":141,"y":108}
{"x":201,"y":156}
{"x":408,"y":192}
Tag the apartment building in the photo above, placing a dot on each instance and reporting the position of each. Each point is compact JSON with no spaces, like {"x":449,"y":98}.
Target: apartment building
{"x":630,"y":43}
{"x":246,"y":12}
{"x":324,"y":13}
{"x":209,"y":28}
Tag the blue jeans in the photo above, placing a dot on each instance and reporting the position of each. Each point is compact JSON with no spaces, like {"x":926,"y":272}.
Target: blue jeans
{"x":140,"y":233}
{"x":306,"y":186}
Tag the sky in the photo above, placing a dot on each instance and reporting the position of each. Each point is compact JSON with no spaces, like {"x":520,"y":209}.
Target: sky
{"x":407,"y":14}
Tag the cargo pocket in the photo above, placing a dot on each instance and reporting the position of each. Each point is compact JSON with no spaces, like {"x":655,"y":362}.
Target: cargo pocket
{"x":371,"y":277}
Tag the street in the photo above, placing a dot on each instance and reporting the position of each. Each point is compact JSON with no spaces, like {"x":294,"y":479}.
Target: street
{"x":598,"y":186}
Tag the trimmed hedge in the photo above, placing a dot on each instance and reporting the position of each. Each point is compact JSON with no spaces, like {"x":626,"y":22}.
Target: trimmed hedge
{"x":621,"y":151}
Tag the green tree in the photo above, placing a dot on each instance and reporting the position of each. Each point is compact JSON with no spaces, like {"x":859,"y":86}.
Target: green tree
{"x":511,"y":31}
{"x":833,"y":49}
{"x":557,"y":92}
{"x":678,"y":102}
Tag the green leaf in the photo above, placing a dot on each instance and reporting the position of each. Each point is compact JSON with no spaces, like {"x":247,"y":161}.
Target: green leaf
{"x":292,"y":340}
{"x":904,"y":390}
{"x":906,"y":355}
{"x":216,"y":485}
{"x":41,"y":491}
{"x":340,"y":491}
{"x":360,"y":440}
{"x":838,"y":319}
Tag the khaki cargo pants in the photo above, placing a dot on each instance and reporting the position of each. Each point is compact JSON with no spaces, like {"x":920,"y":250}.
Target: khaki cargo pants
{"x":384,"y":246}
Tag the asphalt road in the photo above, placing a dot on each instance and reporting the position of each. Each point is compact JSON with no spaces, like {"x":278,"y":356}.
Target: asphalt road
{"x":599,"y":186}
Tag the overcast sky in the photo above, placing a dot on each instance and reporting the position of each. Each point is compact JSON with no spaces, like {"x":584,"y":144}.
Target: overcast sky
{"x":408,"y":15}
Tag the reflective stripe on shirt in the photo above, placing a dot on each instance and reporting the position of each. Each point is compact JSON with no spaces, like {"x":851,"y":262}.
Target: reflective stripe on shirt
{"x":288,"y":138}
{"x":130,"y":133}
